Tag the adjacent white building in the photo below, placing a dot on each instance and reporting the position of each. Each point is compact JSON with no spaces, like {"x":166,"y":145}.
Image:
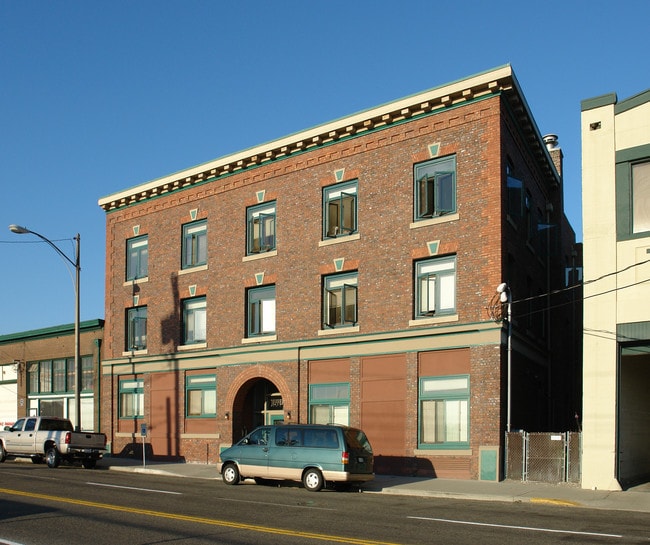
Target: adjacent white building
{"x":616,"y":223}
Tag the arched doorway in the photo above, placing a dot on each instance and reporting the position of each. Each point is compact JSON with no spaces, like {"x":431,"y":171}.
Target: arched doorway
{"x":258,"y":402}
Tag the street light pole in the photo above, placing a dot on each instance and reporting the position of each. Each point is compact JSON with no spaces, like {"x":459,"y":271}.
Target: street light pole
{"x":77,"y":348}
{"x":505,"y":296}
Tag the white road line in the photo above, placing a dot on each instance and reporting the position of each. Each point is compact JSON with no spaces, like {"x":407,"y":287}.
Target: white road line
{"x":134,"y":488}
{"x":296,"y":506}
{"x":527,"y":528}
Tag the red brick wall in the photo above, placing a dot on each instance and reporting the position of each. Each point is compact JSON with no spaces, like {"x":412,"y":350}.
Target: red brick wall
{"x":481,"y":134}
{"x":383,"y":164}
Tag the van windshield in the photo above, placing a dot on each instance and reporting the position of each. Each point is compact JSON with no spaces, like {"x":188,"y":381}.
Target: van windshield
{"x":357,"y":440}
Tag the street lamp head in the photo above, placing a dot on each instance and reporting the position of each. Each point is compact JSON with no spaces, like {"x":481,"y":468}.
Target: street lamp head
{"x":18,"y":229}
{"x":501,"y":288}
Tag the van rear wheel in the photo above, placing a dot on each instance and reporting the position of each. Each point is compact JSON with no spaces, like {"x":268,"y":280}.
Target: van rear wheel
{"x":313,"y":480}
{"x":230,"y":474}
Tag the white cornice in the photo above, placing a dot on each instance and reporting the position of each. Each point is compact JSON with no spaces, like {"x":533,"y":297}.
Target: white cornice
{"x":452,"y":94}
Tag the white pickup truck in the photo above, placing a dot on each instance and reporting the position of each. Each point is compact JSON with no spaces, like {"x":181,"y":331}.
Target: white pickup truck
{"x":52,"y":439}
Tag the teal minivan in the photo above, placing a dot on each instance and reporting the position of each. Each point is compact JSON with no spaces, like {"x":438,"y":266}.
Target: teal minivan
{"x":315,"y":454}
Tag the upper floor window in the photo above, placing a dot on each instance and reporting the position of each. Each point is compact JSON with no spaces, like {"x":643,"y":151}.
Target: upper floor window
{"x":195,"y":244}
{"x":531,"y":225}
{"x":435,"y":188}
{"x":340,"y":300}
{"x":641,"y":197}
{"x":137,"y":258}
{"x":260,"y":228}
{"x":261,"y":311}
{"x":340,"y":210}
{"x":515,"y":193}
{"x":201,"y":395}
{"x":136,"y":328}
{"x":194,"y":320}
{"x":435,"y":287}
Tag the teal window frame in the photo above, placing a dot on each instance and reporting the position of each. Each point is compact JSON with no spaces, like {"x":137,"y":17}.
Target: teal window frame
{"x":340,"y":209}
{"x":57,"y":375}
{"x":640,"y":177}
{"x":33,"y":380}
{"x":131,"y":398}
{"x":446,"y":401}
{"x":435,"y":287}
{"x":260,"y":228}
{"x":435,"y":188}
{"x":331,"y":397}
{"x":626,"y":162}
{"x":45,"y":377}
{"x":194,"y":320}
{"x":340,"y":300}
{"x":137,"y":257}
{"x":195,"y":244}
{"x":260,"y":311}
{"x":201,"y":396}
{"x":136,"y":328}
{"x":87,"y":373}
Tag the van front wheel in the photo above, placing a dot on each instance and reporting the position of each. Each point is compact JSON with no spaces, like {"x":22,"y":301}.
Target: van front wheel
{"x":312,"y":480}
{"x":230,"y":474}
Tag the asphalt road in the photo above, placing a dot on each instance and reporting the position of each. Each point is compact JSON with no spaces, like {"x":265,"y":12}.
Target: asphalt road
{"x":74,"y":506}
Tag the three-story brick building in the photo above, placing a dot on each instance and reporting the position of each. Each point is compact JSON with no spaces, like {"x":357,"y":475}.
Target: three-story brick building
{"x":347,"y":274}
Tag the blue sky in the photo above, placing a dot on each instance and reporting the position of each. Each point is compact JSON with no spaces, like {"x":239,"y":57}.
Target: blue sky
{"x":96,"y":97}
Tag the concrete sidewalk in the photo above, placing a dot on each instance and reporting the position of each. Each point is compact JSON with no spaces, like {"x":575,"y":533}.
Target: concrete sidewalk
{"x":634,"y":499}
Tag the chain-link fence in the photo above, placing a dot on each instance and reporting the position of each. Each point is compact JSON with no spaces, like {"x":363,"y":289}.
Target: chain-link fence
{"x":543,"y":457}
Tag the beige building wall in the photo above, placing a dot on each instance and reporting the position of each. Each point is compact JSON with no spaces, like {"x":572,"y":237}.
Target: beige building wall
{"x":609,"y":299}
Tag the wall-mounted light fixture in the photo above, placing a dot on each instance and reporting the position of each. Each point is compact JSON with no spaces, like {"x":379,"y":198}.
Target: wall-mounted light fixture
{"x":505,"y":296}
{"x":227,"y":415}
{"x":288,"y":415}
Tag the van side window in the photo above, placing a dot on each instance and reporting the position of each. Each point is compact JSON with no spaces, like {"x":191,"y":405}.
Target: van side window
{"x":321,"y":438}
{"x":259,"y":437}
{"x":281,"y":436}
{"x":286,"y":437}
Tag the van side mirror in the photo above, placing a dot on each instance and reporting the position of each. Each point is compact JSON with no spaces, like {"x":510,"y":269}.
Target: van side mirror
{"x":8,"y":428}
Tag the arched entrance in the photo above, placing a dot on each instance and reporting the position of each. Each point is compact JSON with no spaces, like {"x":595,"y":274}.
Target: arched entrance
{"x":258,"y":402}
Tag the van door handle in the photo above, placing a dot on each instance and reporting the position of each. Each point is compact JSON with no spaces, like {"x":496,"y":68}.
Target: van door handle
{"x":265,"y":449}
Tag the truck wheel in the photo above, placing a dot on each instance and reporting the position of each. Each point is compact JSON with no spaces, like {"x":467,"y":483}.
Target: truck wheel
{"x":90,"y":463}
{"x":313,"y":480}
{"x":52,"y":457}
{"x":3,"y":453}
{"x":230,"y":474}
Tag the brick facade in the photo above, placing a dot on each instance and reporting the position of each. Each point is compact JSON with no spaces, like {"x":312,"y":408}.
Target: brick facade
{"x":383,"y":355}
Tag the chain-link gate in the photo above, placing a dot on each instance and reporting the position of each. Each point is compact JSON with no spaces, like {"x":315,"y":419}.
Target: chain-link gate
{"x":543,"y":457}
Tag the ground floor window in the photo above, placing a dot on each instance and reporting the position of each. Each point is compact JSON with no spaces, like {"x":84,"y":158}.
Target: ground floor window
{"x":329,"y":403}
{"x":131,"y":398}
{"x":444,"y":412}
{"x":201,"y":395}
